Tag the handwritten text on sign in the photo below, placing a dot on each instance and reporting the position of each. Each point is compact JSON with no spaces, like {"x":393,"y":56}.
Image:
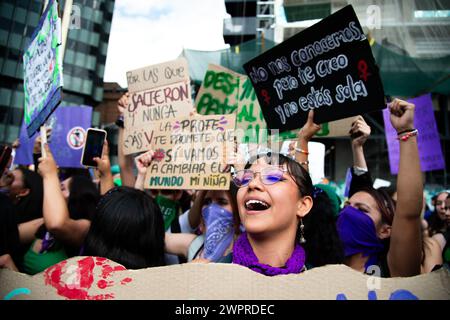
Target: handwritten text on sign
{"x":158,"y":75}
{"x":193,"y":154}
{"x":162,"y":99}
{"x":328,"y":67}
{"x":42,"y":63}
{"x":224,"y":91}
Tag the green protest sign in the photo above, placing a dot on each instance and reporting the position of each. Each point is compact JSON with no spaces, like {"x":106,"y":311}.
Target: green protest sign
{"x":224,"y":91}
{"x":219,"y":91}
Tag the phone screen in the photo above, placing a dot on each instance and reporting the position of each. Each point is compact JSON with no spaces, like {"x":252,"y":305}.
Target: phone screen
{"x":93,"y":147}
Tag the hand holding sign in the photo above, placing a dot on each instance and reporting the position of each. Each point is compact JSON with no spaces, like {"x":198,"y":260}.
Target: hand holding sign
{"x":37,"y":141}
{"x":122,"y":104}
{"x":402,"y":115}
{"x":143,"y":161}
{"x":47,"y":165}
{"x":359,"y":132}
{"x":309,"y":129}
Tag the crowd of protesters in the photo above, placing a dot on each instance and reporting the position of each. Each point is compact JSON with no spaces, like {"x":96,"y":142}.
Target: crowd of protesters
{"x":272,"y":219}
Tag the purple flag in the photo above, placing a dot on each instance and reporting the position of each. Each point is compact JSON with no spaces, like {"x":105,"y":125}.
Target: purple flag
{"x":69,"y":125}
{"x":429,"y":144}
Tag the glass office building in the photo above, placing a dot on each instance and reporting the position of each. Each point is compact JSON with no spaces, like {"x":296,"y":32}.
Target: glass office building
{"x":84,"y":58}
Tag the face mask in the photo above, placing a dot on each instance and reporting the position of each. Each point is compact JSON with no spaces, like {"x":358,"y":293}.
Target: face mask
{"x":358,"y":235}
{"x":219,"y":231}
{"x":169,"y":209}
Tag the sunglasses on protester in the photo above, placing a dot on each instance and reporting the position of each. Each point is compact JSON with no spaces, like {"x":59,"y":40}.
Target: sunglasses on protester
{"x":269,"y":175}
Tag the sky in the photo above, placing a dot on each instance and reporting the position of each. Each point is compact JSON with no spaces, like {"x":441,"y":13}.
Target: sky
{"x":146,"y":32}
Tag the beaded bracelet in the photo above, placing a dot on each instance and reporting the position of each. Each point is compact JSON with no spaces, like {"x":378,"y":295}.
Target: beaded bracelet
{"x":304,"y":162}
{"x":301,"y":151}
{"x":405,"y":131}
{"x":407,"y":135}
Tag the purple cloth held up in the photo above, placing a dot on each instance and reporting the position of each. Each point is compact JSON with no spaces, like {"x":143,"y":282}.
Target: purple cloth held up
{"x":243,"y":254}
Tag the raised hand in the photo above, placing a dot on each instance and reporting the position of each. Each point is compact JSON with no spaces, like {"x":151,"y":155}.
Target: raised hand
{"x":359,"y":132}
{"x":143,"y":161}
{"x":309,"y":129}
{"x":402,"y":115}
{"x":47,"y":166}
{"x":37,"y":141}
{"x":122,"y":104}
{"x":103,"y":163}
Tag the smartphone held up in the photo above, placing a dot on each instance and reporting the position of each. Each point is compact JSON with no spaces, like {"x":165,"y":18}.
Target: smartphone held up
{"x":93,"y":147}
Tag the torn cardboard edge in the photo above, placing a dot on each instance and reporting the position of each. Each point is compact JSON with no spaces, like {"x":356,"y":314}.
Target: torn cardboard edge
{"x":95,"y":278}
{"x":158,"y":75}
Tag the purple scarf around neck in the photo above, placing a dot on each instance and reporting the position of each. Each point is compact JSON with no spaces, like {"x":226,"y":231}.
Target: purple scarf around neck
{"x":243,"y":254}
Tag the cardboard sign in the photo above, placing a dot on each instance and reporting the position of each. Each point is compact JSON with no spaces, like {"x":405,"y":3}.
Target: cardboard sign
{"x":338,"y":128}
{"x":158,"y":75}
{"x":328,"y":67}
{"x":191,"y":154}
{"x":69,"y":125}
{"x":42,"y":70}
{"x":158,"y":95}
{"x":219,"y":92}
{"x":249,"y":117}
{"x":428,"y":141}
{"x":94,"y":278}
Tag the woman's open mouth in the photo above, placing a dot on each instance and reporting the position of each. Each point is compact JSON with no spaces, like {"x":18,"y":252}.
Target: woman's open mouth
{"x":256,"y":205}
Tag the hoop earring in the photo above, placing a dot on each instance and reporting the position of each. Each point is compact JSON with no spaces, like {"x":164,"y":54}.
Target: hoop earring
{"x":301,"y":226}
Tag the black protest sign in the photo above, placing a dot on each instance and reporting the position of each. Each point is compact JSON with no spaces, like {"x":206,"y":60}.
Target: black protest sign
{"x":328,"y":67}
